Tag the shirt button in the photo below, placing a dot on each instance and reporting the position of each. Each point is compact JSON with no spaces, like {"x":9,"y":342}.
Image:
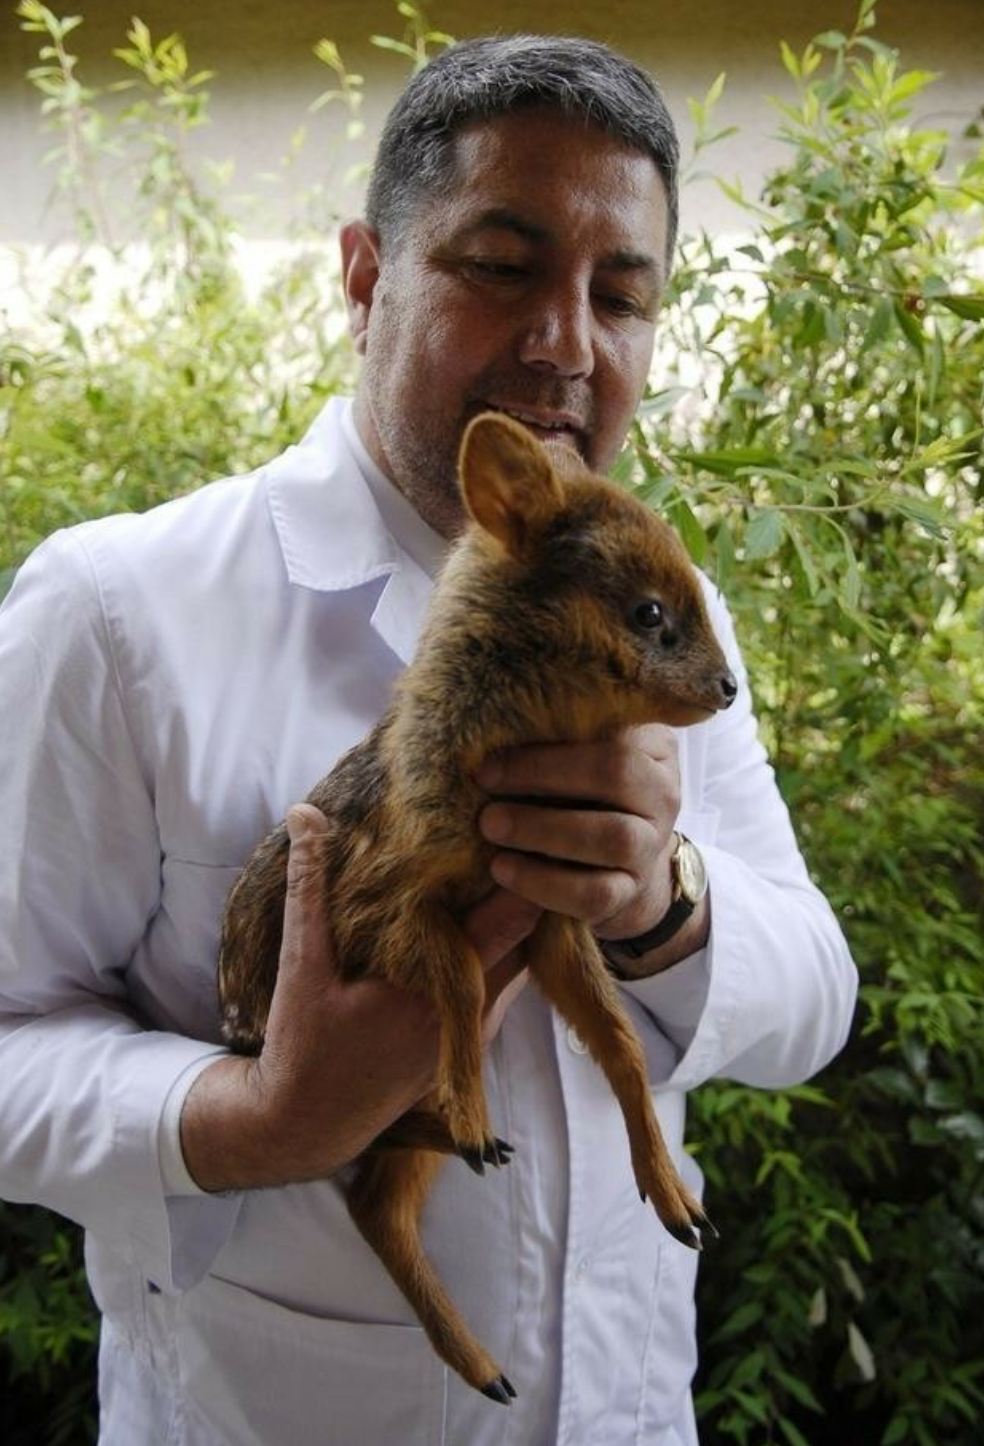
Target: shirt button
{"x":575,"y":1043}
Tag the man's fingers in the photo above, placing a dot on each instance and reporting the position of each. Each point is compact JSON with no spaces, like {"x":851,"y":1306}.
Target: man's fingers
{"x":606,"y":839}
{"x":593,"y":895}
{"x":306,"y":931}
{"x":656,"y":739}
{"x":304,"y":819}
{"x":625,"y":772}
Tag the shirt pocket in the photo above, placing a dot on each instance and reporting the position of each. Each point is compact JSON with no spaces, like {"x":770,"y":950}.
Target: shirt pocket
{"x":253,"y":1373}
{"x":671,"y":1348}
{"x":172,"y":977}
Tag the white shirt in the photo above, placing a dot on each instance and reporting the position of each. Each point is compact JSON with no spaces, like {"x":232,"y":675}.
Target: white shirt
{"x":177,"y":680}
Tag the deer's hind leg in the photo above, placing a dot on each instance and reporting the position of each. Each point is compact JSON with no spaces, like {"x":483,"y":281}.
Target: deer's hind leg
{"x":385,"y":1200}
{"x":567,"y":965}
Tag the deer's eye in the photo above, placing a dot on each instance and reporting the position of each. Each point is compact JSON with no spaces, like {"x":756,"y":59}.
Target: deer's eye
{"x":648,"y":615}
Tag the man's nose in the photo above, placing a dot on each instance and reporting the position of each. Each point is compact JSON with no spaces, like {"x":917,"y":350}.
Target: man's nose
{"x":558,"y":335}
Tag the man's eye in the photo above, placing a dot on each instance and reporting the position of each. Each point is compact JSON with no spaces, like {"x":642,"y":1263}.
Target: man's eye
{"x":495,"y":270}
{"x":620,"y":305}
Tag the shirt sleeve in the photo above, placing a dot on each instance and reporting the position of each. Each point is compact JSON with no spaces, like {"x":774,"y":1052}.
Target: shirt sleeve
{"x":770,"y":999}
{"x":83,"y":1082}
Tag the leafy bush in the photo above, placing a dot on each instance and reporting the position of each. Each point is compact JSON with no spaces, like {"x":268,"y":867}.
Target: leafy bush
{"x":47,"y":1333}
{"x":828,"y":468}
{"x":815,"y":434}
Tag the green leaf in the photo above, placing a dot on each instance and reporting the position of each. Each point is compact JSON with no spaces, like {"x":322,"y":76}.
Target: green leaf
{"x":764,"y":533}
{"x":792,"y":1432}
{"x":964,"y":1126}
{"x":749,"y":1369}
{"x":861,"y":1353}
{"x":728,"y":463}
{"x":971,"y":308}
{"x":746,"y":1315}
{"x":850,"y":586}
{"x":714,"y":94}
{"x":922,"y":1132}
{"x":724,"y":553}
{"x":927,"y":513}
{"x":937,"y":365}
{"x":850,"y":1278}
{"x":686,"y":523}
{"x":661,"y":403}
{"x":812,"y":328}
{"x":910,"y":327}
{"x":753,"y":1406}
{"x":911,"y":83}
{"x":657,"y":489}
{"x":799,"y":1390}
{"x":942,"y":1095}
{"x":385,"y":42}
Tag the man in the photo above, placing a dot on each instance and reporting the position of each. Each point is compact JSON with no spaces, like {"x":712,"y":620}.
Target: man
{"x":184,"y":677}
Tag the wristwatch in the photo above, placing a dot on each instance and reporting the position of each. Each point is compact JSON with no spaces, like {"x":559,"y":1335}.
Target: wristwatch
{"x":689,"y":887}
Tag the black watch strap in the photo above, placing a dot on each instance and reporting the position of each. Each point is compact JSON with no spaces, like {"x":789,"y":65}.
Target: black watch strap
{"x":672,"y":921}
{"x":689,"y":887}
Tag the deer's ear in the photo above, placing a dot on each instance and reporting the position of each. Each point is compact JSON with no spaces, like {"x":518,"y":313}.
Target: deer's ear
{"x":508,"y":481}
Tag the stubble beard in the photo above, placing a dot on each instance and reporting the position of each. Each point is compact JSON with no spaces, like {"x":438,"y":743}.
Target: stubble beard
{"x":423,"y":465}
{"x":423,"y":456}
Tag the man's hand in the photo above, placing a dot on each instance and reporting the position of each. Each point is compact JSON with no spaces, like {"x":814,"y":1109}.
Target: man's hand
{"x":340,"y":1061}
{"x":587,"y":830}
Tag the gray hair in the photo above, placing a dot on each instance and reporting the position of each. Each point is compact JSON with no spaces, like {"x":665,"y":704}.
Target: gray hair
{"x":493,"y":76}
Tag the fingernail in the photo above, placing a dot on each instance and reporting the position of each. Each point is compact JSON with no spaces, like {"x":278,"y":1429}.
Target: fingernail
{"x":298,"y":825}
{"x":495,"y":823}
{"x":503,"y":870}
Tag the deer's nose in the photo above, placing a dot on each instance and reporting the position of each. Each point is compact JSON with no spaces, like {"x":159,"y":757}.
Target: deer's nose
{"x":729,"y":688}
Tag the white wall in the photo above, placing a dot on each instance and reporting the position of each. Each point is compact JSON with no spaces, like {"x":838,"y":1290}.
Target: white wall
{"x":267,"y":75}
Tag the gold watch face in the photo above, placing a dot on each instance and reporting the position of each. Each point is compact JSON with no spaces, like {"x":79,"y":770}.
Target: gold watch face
{"x":690,"y":871}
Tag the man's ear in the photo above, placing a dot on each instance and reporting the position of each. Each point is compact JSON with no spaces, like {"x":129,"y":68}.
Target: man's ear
{"x":507,"y":480}
{"x":360,"y":272}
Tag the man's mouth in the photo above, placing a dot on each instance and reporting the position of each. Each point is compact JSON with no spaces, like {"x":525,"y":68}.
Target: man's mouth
{"x":546,"y":424}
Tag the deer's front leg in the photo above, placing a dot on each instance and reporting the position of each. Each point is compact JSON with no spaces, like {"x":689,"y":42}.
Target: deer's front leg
{"x":568,"y":967}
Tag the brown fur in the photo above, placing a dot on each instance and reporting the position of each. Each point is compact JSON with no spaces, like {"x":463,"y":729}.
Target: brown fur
{"x":530,"y":638}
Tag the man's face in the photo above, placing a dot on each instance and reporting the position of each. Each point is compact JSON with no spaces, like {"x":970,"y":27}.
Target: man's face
{"x":532,"y":289}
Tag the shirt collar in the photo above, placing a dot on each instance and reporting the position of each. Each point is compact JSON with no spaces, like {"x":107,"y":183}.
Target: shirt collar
{"x":333,"y":534}
{"x":405,"y":524}
{"x":329,"y":527}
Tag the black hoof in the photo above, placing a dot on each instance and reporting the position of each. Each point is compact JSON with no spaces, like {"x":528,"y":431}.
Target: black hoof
{"x":472,"y":1157}
{"x":499,"y":1390}
{"x":686,"y":1234}
{"x":497,"y":1152}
